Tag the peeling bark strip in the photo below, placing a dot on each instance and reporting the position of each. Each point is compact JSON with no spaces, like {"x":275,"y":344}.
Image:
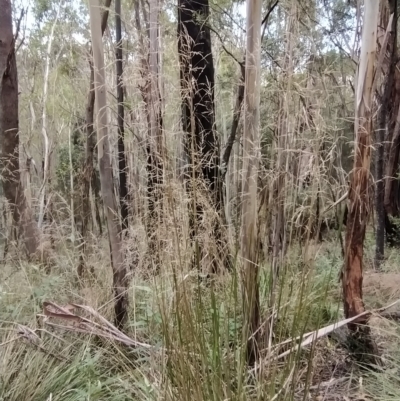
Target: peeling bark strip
{"x":359,"y":181}
{"x":9,"y":135}
{"x":106,"y":177}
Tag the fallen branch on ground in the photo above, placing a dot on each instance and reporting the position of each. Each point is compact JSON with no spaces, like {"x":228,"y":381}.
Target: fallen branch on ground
{"x":79,"y":324}
{"x":311,"y":337}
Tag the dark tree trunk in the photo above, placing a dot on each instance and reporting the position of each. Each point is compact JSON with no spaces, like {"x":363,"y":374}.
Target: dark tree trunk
{"x":154,"y":138}
{"x":235,"y":122}
{"x":197,"y":85}
{"x":197,"y":80}
{"x":379,"y":163}
{"x":379,"y":192}
{"x":9,"y":113}
{"x":9,"y":136}
{"x":154,"y":169}
{"x":391,"y":183}
{"x":392,"y":232}
{"x":123,"y":185}
{"x":380,"y":140}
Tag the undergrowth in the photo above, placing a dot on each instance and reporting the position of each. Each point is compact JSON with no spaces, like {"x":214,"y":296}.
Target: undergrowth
{"x":192,"y":325}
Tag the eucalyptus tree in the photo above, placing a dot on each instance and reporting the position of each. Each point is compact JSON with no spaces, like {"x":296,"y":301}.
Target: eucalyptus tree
{"x":9,"y":133}
{"x":386,"y":125}
{"x":123,"y":184}
{"x":106,"y":172}
{"x":388,"y":184}
{"x":155,"y":140}
{"x":198,"y":117}
{"x":46,"y":139}
{"x":359,"y":180}
{"x":251,"y":154}
{"x":89,"y":175}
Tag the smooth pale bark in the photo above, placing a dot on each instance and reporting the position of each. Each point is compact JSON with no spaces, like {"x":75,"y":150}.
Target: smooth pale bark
{"x":105,"y":166}
{"x":46,"y":141}
{"x":239,"y":102}
{"x":9,"y":135}
{"x":251,"y":151}
{"x":359,"y":180}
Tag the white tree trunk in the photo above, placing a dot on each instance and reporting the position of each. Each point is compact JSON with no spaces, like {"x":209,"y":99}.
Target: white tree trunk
{"x":46,"y":142}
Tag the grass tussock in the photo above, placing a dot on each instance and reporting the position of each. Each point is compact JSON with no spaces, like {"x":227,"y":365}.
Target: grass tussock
{"x":191,"y":326}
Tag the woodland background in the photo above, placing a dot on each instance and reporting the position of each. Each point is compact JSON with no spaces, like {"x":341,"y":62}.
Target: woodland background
{"x":190,"y":191}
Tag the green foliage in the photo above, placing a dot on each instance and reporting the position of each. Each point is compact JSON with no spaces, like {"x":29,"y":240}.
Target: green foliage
{"x":42,"y":8}
{"x":69,"y":62}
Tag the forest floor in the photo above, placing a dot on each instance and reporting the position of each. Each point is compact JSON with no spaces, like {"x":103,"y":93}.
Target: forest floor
{"x":190,"y":335}
{"x":337,"y":377}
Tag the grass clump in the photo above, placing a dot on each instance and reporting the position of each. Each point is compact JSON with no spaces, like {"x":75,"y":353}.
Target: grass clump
{"x":193,"y":328}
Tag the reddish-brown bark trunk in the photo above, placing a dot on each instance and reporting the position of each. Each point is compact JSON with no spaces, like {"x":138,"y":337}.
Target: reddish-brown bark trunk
{"x":356,"y":223}
{"x":359,"y":207}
